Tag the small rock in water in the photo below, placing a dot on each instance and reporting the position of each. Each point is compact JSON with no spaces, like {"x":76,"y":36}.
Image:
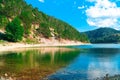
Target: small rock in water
{"x":6,"y":74}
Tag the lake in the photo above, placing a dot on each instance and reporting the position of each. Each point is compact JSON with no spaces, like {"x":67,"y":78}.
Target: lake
{"x":94,"y":60}
{"x":84,"y":62}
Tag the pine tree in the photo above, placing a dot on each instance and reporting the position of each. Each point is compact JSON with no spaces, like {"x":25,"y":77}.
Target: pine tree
{"x":14,"y":30}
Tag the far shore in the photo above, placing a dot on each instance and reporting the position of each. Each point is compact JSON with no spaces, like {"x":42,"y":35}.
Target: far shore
{"x":12,"y":46}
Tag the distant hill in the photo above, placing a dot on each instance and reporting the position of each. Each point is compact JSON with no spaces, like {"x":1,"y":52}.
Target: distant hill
{"x":36,"y":24}
{"x":104,"y":35}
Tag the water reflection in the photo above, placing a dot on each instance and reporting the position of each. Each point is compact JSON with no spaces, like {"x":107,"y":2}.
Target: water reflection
{"x":104,"y":61}
{"x":90,"y":64}
{"x":34,"y":64}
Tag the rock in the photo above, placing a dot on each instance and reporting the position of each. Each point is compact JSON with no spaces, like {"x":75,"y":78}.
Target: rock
{"x":6,"y":75}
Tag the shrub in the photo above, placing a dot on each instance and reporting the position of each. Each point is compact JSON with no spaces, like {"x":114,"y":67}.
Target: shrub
{"x":14,"y":30}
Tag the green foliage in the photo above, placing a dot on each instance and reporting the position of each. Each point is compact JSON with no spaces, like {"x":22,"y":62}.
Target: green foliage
{"x":30,"y":16}
{"x":2,"y":41}
{"x":14,"y":30}
{"x":27,"y":18}
{"x":30,"y":41}
{"x":3,"y":21}
{"x":104,"y":35}
{"x":44,"y":30}
{"x":11,"y":8}
{"x":66,"y":31}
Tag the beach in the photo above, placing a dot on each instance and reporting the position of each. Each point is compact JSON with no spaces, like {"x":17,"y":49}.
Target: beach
{"x":11,"y":46}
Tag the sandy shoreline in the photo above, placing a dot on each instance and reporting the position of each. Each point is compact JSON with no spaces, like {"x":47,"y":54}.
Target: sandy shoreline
{"x":12,"y":46}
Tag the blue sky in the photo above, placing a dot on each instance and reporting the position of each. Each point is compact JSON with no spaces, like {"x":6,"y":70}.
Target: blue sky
{"x":84,"y":15}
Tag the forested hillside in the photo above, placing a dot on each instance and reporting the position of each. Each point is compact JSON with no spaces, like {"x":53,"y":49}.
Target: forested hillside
{"x":104,"y":35}
{"x":35,"y":23}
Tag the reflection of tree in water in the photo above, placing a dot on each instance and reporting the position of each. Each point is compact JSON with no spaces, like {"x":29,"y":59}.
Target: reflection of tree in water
{"x":33,"y":62}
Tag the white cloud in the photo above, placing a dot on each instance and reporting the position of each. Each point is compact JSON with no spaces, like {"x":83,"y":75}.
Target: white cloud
{"x":81,"y":7}
{"x":42,"y":1}
{"x":103,"y":14}
{"x":99,"y":22}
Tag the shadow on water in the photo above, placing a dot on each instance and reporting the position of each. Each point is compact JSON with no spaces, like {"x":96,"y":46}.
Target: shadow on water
{"x":35,"y":64}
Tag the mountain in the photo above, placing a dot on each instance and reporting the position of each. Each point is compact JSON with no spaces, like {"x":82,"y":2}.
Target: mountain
{"x":36,"y":24}
{"x":104,"y":35}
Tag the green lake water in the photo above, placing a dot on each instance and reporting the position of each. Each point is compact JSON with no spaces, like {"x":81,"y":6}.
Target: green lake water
{"x":36,"y":63}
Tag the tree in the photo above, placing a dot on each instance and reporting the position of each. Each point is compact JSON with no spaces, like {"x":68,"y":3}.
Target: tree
{"x":3,"y":21}
{"x":44,"y":30}
{"x":14,"y":30}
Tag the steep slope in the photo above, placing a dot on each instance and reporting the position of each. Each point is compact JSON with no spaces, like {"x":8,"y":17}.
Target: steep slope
{"x":104,"y":35}
{"x":36,"y":24}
